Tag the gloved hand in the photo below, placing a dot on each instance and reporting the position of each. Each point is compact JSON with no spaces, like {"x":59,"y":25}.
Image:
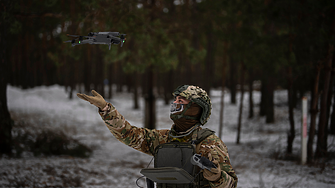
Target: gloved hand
{"x":214,"y":174}
{"x":97,"y":100}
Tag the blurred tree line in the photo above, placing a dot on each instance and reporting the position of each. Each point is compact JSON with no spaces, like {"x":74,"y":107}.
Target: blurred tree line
{"x":229,"y":44}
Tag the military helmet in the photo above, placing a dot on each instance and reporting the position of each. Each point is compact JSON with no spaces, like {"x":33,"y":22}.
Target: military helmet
{"x":198,"y":96}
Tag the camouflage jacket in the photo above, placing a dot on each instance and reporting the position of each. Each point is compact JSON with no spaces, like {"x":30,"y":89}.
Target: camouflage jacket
{"x":145,"y":140}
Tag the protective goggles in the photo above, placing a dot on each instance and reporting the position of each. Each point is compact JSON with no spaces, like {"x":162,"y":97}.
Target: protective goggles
{"x":175,"y":108}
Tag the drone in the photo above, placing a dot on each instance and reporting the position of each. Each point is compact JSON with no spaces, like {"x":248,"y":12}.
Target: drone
{"x":98,"y":38}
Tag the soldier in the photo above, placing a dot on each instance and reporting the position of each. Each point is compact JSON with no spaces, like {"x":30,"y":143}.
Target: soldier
{"x":189,"y":111}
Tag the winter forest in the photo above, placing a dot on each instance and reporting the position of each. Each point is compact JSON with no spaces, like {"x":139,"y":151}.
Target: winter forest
{"x":256,"y":59}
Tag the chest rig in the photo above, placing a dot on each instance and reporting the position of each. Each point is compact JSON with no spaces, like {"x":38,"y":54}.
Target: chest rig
{"x":172,"y":163}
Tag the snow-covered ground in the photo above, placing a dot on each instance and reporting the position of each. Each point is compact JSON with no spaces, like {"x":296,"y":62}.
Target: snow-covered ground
{"x":113,"y":164}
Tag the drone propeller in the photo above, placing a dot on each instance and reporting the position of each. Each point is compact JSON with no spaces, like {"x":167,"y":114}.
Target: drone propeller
{"x":73,"y":35}
{"x":82,"y":37}
{"x":72,"y":41}
{"x":123,"y":39}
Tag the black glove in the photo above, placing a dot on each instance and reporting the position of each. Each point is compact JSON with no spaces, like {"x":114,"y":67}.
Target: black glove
{"x":202,"y":162}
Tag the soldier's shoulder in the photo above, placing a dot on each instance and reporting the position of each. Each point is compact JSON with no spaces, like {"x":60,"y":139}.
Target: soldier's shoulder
{"x":212,"y":140}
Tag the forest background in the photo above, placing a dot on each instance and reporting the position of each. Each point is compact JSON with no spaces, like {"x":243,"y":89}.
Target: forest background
{"x":284,"y":44}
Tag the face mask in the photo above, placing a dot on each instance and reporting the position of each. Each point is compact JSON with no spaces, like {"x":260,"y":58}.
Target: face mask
{"x":185,"y":116}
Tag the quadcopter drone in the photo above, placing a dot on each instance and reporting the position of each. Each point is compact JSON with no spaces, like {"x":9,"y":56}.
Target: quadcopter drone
{"x":98,"y":38}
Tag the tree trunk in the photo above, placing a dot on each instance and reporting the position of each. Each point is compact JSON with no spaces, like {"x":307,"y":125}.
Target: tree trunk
{"x":291,"y":133}
{"x":168,"y":87}
{"x":99,"y":72}
{"x":5,"y":120}
{"x":136,"y":85}
{"x":251,"y":89}
{"x":209,"y":68}
{"x":241,"y":106}
{"x":269,"y":100}
{"x":87,"y":71}
{"x":329,"y":103}
{"x":119,"y":76}
{"x":232,"y":80}
{"x":110,"y":74}
{"x":332,"y":121}
{"x":262,"y":106}
{"x":321,"y":149}
{"x":314,"y":112}
{"x":150,"y":107}
{"x":70,"y":72}
{"x":224,"y":64}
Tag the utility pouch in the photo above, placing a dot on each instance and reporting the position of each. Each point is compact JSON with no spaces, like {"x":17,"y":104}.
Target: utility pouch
{"x":172,"y":164}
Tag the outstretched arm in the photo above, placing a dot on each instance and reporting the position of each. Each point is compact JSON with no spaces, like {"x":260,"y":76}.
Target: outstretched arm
{"x":141,"y":139}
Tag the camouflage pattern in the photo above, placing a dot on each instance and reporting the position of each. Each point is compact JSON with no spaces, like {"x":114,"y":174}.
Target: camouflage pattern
{"x":145,"y":140}
{"x":215,"y":150}
{"x":198,"y":96}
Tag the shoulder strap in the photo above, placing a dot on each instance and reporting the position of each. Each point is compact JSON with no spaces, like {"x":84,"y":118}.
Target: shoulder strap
{"x":202,"y":135}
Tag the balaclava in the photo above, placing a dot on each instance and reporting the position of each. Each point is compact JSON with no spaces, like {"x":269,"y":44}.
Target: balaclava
{"x":187,"y":118}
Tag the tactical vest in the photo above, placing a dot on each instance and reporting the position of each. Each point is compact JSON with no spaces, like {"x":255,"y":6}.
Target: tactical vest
{"x":173,"y":167}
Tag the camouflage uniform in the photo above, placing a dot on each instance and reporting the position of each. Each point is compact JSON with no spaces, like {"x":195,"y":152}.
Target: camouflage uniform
{"x":145,"y":140}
